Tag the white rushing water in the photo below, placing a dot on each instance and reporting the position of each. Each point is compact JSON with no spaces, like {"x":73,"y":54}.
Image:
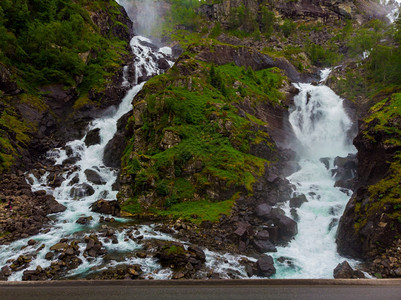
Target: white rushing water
{"x":320,"y":124}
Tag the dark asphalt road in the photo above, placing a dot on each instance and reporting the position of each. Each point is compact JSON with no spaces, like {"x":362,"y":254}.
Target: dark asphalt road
{"x":233,"y":289}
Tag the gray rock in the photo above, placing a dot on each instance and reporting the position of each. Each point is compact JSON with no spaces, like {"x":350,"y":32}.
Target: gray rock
{"x":288,"y":228}
{"x":93,"y":137}
{"x":263,"y":210}
{"x":298,"y":201}
{"x":81,"y":190}
{"x":265,"y":266}
{"x":263,"y":246}
{"x":94,"y":177}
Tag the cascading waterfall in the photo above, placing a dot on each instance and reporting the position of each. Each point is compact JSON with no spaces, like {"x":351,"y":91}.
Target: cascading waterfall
{"x":320,"y":124}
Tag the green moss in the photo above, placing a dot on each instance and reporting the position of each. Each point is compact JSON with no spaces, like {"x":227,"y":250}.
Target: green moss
{"x":132,"y":206}
{"x":175,"y":250}
{"x":198,"y":211}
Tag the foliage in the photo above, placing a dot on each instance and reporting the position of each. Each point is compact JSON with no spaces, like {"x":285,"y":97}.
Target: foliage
{"x":213,"y":151}
{"x":288,"y":27}
{"x":44,"y":41}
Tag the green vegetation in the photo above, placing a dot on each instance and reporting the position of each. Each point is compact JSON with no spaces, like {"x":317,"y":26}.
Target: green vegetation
{"x":385,"y":196}
{"x":44,"y":42}
{"x":55,"y":41}
{"x":196,"y":155}
{"x":199,"y":211}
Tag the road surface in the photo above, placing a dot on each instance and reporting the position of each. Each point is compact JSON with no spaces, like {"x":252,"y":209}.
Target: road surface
{"x":384,"y":289}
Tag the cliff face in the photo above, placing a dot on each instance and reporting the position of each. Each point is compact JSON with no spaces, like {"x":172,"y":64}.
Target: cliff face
{"x":305,"y":10}
{"x":370,"y":227}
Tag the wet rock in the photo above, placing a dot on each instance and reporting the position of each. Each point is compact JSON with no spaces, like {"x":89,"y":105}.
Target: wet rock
{"x":344,"y":270}
{"x":173,"y":254}
{"x":94,"y":177}
{"x":265,"y":266}
{"x":106,"y":207}
{"x":84,"y":220}
{"x":49,"y":255}
{"x":288,"y":228}
{"x":325,"y":161}
{"x":298,"y":201}
{"x":163,"y":64}
{"x":81,"y":190}
{"x":115,"y":147}
{"x":263,"y":246}
{"x":31,"y":242}
{"x":93,"y":137}
{"x":6,"y":271}
{"x":54,"y":206}
{"x":59,"y":247}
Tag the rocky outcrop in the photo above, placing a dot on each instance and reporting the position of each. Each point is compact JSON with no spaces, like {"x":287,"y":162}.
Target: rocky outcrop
{"x":302,"y":10}
{"x":344,"y":270}
{"x":370,"y":223}
{"x":246,"y":57}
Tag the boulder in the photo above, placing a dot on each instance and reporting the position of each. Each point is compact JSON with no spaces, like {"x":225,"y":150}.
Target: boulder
{"x":263,"y":210}
{"x":265,"y":266}
{"x":81,"y":190}
{"x":344,"y":270}
{"x":244,"y":229}
{"x":94,"y":177}
{"x":54,"y":206}
{"x":262,"y":235}
{"x":93,"y":137}
{"x":163,"y":64}
{"x":106,"y":207}
{"x":287,"y":228}
{"x":84,"y":220}
{"x":297,"y":201}
{"x":263,"y":246}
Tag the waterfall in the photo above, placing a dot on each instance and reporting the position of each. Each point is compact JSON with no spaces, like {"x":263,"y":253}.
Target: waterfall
{"x":320,"y":124}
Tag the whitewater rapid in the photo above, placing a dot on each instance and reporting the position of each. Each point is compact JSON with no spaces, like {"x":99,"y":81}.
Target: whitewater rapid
{"x":321,"y":126}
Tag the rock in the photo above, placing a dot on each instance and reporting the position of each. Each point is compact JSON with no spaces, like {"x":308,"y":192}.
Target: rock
{"x":263,"y":210}
{"x":265,"y":266}
{"x":298,"y":201}
{"x":93,"y":137}
{"x":262,"y":235}
{"x":31,"y":242}
{"x":54,"y":206}
{"x":287,"y":228}
{"x":344,"y":270}
{"x":169,"y":140}
{"x":263,"y":246}
{"x":244,"y":229}
{"x":325,"y":161}
{"x":84,"y":220}
{"x":94,"y":177}
{"x":81,"y":190}
{"x":163,"y":64}
{"x":6,"y":271}
{"x":59,"y":247}
{"x":115,"y":147}
{"x":49,"y":255}
{"x":7,"y":84}
{"x":106,"y":207}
